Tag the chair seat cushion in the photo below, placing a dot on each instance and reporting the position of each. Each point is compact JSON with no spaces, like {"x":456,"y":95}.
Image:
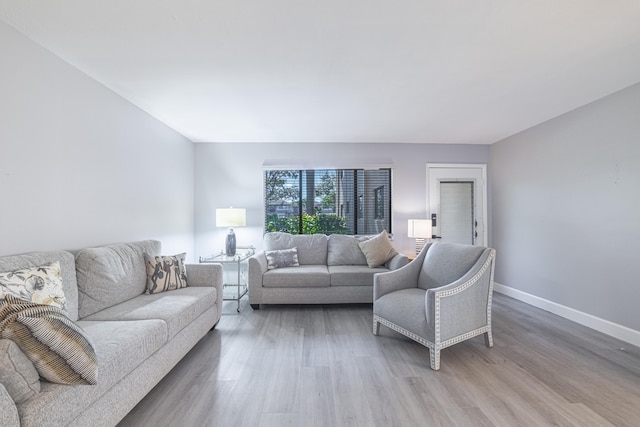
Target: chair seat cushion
{"x":297,"y":277}
{"x":405,"y":308}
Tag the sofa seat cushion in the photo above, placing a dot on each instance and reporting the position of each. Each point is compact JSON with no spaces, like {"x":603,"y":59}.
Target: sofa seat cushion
{"x":353,"y":275}
{"x":297,"y":277}
{"x":178,"y":308}
{"x":120,"y":347}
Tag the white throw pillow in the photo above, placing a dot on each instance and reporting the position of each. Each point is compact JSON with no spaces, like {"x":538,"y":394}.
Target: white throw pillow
{"x":378,"y":249}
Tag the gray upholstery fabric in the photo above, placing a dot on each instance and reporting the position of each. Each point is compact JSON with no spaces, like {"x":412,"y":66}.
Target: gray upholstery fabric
{"x":472,"y":302}
{"x":302,"y":276}
{"x":312,"y":248}
{"x":17,"y":373}
{"x":441,"y":298}
{"x":177,"y":308}
{"x":353,"y":275}
{"x":115,"y":403}
{"x":315,"y":284}
{"x":447,"y":262}
{"x":112,"y":274}
{"x":120,"y":347}
{"x":405,"y":308}
{"x":344,"y":250}
{"x":133,"y":355}
{"x":67,"y":265}
{"x":8,"y":410}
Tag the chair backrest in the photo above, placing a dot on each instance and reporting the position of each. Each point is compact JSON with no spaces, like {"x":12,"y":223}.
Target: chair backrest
{"x":445,"y":263}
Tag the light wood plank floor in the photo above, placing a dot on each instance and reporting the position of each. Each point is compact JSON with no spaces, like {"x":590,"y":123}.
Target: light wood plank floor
{"x":322,"y":366}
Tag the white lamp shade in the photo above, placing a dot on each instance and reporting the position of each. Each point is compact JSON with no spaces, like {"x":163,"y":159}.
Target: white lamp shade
{"x":419,"y":228}
{"x":231,"y":217}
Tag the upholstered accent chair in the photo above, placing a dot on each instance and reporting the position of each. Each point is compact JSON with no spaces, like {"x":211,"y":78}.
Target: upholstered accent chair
{"x":439,"y":299}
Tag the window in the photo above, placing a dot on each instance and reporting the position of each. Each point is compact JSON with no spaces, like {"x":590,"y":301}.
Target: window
{"x":343,"y":201}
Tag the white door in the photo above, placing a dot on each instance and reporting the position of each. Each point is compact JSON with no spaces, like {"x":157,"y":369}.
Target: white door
{"x":456,"y":198}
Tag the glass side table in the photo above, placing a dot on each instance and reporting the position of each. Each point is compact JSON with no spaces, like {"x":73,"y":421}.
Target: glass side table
{"x":235,"y":270}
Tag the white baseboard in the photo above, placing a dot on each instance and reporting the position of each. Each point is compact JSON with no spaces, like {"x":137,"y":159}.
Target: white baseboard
{"x":620,"y":332}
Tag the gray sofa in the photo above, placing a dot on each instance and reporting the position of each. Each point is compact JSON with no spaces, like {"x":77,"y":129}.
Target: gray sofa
{"x":332,"y":269}
{"x":138,"y":338}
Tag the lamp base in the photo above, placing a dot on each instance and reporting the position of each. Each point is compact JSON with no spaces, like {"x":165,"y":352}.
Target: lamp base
{"x":230,"y":243}
{"x":419,"y":245}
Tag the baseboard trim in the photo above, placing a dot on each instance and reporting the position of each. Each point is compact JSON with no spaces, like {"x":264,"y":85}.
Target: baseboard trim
{"x":615,"y":330}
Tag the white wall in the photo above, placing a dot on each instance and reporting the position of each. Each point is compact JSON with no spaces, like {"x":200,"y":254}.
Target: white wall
{"x":566,"y":210}
{"x":232,"y":175}
{"x":80,"y":166}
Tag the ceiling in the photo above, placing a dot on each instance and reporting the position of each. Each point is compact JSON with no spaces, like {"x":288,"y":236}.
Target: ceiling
{"x":417,"y":71}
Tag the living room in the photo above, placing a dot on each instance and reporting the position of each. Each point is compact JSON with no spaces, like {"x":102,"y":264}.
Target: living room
{"x":82,"y":166}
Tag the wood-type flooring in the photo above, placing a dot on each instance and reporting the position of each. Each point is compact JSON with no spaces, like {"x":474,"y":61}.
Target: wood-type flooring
{"x":307,"y":365}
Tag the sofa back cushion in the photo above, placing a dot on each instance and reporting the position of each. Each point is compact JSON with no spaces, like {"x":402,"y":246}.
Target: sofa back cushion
{"x":312,"y":248}
{"x":344,"y":250}
{"x":112,"y":274}
{"x":445,"y":263}
{"x":67,"y":266}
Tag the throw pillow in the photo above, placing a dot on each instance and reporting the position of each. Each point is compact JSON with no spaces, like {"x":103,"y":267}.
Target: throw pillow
{"x":378,"y":249}
{"x":165,"y":273}
{"x":282,"y":258}
{"x":17,"y":373}
{"x":42,"y":285}
{"x":58,"y":348}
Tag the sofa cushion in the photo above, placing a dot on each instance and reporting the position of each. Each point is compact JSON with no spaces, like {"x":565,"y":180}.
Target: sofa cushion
{"x":378,"y":249}
{"x":344,"y":250}
{"x":120,"y":348}
{"x":312,"y":248}
{"x":58,"y":348}
{"x":112,"y":274}
{"x":354,"y":275}
{"x":282,"y":258}
{"x":67,"y":266}
{"x":177,"y":308}
{"x":40,"y":284}
{"x":165,"y":273}
{"x":17,"y":373}
{"x":296,"y":277}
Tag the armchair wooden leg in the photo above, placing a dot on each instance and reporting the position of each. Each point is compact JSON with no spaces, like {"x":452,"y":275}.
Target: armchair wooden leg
{"x":488,"y":339}
{"x":434,"y":356}
{"x":376,"y":327}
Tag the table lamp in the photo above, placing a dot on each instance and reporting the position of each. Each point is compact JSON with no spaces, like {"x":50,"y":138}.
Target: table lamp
{"x":420,"y":229}
{"x":231,"y":217}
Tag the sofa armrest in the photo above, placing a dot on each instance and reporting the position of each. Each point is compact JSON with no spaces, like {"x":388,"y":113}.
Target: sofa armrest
{"x":398,"y":261}
{"x":8,"y":411}
{"x":257,"y":267}
{"x":206,"y":275}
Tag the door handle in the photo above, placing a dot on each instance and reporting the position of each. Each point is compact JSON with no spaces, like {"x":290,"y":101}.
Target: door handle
{"x":436,"y":237}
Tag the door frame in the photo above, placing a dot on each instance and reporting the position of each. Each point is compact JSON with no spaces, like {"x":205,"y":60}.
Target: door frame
{"x":484,"y":193}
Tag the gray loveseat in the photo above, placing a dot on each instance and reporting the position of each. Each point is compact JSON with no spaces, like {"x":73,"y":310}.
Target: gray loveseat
{"x":332,"y":269}
{"x":138,"y":338}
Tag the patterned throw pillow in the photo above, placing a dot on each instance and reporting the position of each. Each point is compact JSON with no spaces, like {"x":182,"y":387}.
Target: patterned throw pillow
{"x":42,"y":285}
{"x":282,"y":258}
{"x":378,"y":249}
{"x":58,"y":348}
{"x":165,"y":273}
